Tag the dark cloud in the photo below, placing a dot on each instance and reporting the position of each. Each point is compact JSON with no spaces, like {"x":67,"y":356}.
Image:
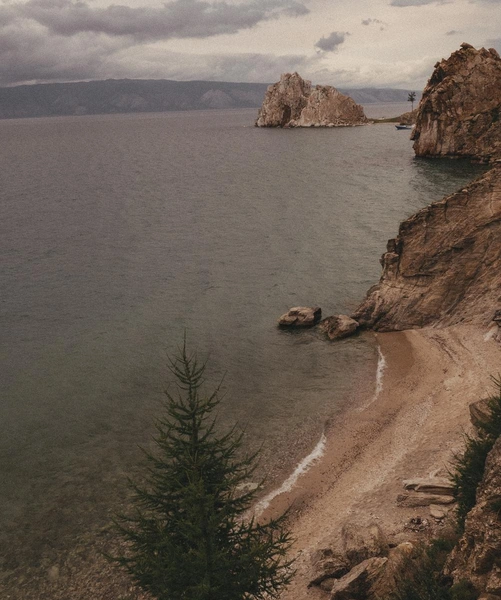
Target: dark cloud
{"x":414,"y":2}
{"x":176,"y":19}
{"x":453,"y":32}
{"x":31,"y":56}
{"x":331,"y":42}
{"x":382,"y":24}
{"x":65,"y":40}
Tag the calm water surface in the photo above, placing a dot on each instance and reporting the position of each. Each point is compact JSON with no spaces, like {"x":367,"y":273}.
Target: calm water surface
{"x":119,"y":233}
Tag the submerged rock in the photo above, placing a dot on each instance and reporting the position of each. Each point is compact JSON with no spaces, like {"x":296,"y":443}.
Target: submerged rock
{"x":301,"y":316}
{"x":460,"y":111}
{"x":292,"y":102}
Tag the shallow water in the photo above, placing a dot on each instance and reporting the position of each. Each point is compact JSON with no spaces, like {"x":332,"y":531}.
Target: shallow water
{"x":120,"y":233}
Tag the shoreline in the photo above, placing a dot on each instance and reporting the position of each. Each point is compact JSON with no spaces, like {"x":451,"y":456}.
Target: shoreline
{"x":411,"y":428}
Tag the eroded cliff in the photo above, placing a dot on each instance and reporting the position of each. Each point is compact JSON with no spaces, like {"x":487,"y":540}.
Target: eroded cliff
{"x":460,"y":110}
{"x":292,"y":102}
{"x":444,"y":266}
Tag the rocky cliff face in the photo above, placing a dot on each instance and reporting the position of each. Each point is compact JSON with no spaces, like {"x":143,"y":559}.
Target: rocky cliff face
{"x":460,"y":110}
{"x":445,"y":264}
{"x":293,"y":103}
{"x":477,"y":557}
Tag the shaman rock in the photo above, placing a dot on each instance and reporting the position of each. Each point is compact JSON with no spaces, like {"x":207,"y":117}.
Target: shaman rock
{"x":292,"y":102}
{"x":460,"y":111}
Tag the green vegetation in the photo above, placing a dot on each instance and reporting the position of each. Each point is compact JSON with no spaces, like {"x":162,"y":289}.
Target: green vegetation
{"x":189,"y":537}
{"x":470,"y":465}
{"x":420,"y":576}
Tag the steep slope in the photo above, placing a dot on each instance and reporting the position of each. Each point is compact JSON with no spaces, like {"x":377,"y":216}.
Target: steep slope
{"x":445,"y":264}
{"x":460,"y":110}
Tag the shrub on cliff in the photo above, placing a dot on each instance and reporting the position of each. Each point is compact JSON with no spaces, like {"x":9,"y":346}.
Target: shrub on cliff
{"x":188,"y":537}
{"x":420,"y":576}
{"x":469,"y":466}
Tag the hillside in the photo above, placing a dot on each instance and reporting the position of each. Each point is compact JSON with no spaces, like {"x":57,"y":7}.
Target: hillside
{"x":137,"y":95}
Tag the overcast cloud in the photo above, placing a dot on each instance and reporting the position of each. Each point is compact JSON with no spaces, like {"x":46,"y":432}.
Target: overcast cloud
{"x":331,"y":42}
{"x":239,"y":40}
{"x":413,"y":2}
{"x":178,"y":19}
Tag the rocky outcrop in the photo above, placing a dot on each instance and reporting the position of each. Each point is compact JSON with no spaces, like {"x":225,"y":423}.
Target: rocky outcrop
{"x":327,"y":566}
{"x":292,"y":102}
{"x":460,"y":110}
{"x":361,"y":543}
{"x":431,"y":485}
{"x":301,"y":316}
{"x":477,"y":557}
{"x":408,"y":118}
{"x":338,"y":327}
{"x":358,"y":583}
{"x":445,"y":264}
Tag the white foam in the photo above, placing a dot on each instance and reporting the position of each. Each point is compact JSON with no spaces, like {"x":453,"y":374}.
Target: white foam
{"x":381,"y":366}
{"x":290,"y":482}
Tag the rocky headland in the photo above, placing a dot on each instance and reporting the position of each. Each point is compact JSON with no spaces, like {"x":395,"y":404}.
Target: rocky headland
{"x":444,"y":267}
{"x":293,"y":102}
{"x":459,"y":114}
{"x":383,"y":487}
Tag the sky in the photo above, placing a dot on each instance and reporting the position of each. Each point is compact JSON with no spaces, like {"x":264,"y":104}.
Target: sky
{"x":345,"y":43}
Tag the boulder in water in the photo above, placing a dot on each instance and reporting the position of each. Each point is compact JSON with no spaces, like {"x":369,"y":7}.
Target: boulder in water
{"x":301,"y":316}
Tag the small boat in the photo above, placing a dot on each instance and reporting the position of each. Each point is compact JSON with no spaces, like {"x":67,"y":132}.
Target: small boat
{"x":403,"y":126}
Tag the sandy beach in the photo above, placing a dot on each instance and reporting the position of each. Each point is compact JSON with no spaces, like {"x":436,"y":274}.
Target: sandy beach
{"x":410,"y":429}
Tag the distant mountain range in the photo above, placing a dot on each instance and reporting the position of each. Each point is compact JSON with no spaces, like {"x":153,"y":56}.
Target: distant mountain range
{"x":146,"y":95}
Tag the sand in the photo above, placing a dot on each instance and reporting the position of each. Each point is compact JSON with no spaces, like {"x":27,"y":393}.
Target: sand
{"x":411,"y":428}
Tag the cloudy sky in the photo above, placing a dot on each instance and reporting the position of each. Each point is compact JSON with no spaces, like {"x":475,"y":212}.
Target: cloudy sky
{"x":347,"y":43}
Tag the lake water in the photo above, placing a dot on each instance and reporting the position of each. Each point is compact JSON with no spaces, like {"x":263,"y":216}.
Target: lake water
{"x":120,"y":233}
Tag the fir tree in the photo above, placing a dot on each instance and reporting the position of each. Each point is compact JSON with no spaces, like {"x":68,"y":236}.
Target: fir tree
{"x":188,"y":537}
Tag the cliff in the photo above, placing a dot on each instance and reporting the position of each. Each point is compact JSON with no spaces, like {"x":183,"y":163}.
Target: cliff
{"x":444,"y":266}
{"x":292,"y":102}
{"x":477,"y":557}
{"x":459,"y":112}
